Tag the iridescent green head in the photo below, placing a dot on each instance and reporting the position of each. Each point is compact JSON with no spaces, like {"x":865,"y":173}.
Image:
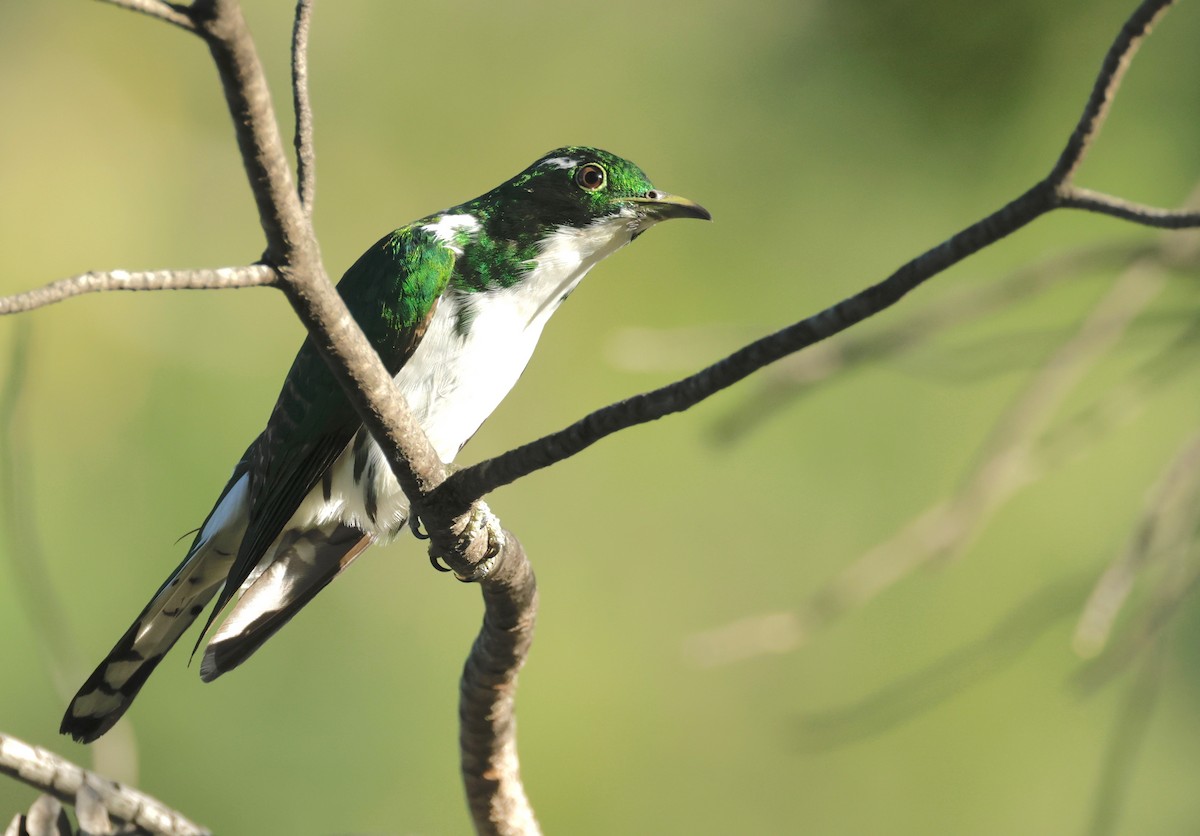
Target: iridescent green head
{"x":577,"y":186}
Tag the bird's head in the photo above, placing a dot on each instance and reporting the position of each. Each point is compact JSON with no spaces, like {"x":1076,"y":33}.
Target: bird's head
{"x":579,"y":187}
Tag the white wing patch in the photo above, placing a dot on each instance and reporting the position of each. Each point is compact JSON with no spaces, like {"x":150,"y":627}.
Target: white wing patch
{"x":448,"y":227}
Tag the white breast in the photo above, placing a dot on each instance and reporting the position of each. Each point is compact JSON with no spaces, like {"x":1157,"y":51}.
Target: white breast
{"x":458,"y":375}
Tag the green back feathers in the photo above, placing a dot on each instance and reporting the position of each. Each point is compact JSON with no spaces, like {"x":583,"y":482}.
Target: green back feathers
{"x":393,"y":286}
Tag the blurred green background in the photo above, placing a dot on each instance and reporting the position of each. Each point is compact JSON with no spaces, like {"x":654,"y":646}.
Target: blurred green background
{"x":832,"y":142}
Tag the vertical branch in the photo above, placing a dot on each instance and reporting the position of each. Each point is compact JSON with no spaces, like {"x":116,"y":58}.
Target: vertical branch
{"x":290,"y":243}
{"x":1112,"y":71}
{"x":488,"y":730}
{"x":306,"y":171}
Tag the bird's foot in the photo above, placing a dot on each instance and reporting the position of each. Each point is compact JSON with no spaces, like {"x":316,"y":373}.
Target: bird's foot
{"x":481,"y":521}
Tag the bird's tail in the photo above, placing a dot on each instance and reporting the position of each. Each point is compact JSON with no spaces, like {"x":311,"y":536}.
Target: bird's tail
{"x":110,"y":689}
{"x":300,"y":564}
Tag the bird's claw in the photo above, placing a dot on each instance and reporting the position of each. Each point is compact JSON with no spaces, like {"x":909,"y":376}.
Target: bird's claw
{"x":414,"y":525}
{"x":483,"y":521}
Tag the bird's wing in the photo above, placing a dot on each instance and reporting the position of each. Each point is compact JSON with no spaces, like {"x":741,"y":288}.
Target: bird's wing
{"x":392,"y":292}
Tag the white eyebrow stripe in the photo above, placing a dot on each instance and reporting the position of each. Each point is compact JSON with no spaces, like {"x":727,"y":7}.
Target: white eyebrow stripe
{"x":558,"y":162}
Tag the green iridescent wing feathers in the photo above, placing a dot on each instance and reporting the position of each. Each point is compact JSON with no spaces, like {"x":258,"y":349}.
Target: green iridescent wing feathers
{"x":392,"y":292}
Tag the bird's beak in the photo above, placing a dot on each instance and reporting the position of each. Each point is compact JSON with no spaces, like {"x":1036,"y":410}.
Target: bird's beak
{"x":661,"y":205}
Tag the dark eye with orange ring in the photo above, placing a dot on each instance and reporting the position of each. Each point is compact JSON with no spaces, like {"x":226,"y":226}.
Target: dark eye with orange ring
{"x":590,"y":177}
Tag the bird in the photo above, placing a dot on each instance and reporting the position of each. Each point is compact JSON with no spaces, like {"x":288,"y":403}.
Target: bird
{"x":454,"y":303}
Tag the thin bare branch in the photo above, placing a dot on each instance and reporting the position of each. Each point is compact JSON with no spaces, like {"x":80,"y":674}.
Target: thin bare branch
{"x":1074,"y":197}
{"x":1112,"y":70}
{"x":306,"y":164}
{"x":293,"y":250}
{"x":170,"y":12}
{"x":58,"y":777}
{"x":289,"y":236}
{"x":219,"y":278}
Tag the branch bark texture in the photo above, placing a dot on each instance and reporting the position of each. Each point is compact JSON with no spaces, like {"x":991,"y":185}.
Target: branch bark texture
{"x":58,"y":777}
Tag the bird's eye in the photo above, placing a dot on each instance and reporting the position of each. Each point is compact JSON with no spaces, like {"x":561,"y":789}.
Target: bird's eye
{"x":590,"y":177}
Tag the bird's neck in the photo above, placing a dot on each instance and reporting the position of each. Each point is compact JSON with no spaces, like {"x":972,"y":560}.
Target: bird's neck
{"x":496,"y":253}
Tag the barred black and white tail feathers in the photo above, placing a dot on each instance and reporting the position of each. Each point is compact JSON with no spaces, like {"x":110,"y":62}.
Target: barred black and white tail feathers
{"x":297,"y":566}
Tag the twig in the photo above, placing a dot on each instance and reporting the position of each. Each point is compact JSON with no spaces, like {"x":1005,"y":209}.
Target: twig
{"x":1167,"y":520}
{"x":219,"y":278}
{"x":56,"y":776}
{"x":174,"y":14}
{"x":1077,"y":198}
{"x":306,"y":165}
{"x":1055,"y":191}
{"x":1112,"y":70}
